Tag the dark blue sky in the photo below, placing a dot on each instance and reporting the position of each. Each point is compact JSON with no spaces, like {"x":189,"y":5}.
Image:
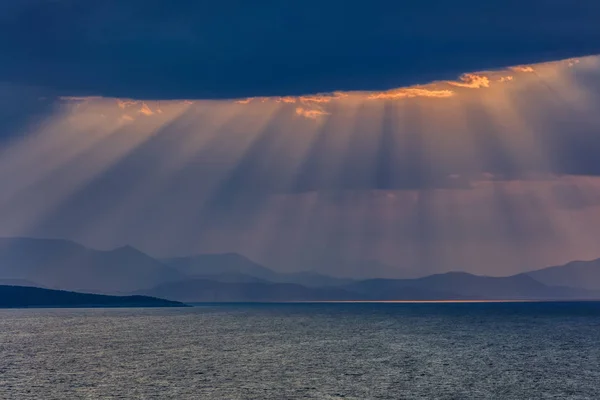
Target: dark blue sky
{"x":220,"y":49}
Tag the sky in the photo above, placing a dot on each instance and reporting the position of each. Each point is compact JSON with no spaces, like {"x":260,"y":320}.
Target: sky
{"x":398,"y":139}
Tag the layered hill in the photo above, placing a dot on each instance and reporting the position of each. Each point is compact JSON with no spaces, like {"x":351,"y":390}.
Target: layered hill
{"x":464,"y":286}
{"x":581,"y":274}
{"x":66,"y":265}
{"x":23,"y":296}
{"x":62,"y":264}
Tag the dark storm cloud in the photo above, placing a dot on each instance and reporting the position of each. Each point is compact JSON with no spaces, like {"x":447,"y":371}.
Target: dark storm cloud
{"x":202,"y":49}
{"x":21,"y":109}
{"x":386,"y":146}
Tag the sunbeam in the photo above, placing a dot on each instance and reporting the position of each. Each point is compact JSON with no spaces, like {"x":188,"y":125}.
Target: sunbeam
{"x":484,"y":174}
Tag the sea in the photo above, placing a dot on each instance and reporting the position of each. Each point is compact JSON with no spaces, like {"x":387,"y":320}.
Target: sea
{"x":530,"y":350}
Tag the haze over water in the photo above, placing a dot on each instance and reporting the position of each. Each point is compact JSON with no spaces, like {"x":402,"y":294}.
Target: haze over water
{"x":304,"y":351}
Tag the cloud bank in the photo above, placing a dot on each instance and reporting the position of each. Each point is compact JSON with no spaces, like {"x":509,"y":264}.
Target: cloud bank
{"x":210,"y":50}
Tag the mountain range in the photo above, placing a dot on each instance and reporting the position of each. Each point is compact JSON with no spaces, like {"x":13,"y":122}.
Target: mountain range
{"x":66,"y":265}
{"x":62,"y":264}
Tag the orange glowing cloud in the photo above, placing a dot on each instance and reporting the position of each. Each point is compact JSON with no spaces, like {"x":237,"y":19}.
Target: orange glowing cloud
{"x":439,"y":89}
{"x":311,"y":114}
{"x":126,"y":103}
{"x":323,"y":98}
{"x":315,"y":106}
{"x":146,"y":110}
{"x":472,"y":81}
{"x":523,"y":68}
{"x":404,"y":93}
{"x":126,"y":117}
{"x":287,"y":99}
{"x":316,"y":98}
{"x":259,"y":99}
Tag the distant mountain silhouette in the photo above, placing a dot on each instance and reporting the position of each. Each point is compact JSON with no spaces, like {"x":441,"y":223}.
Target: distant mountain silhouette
{"x":311,"y":279}
{"x":233,"y":267}
{"x":449,"y":286}
{"x":580,"y":274}
{"x":22,"y":296}
{"x":354,"y":269}
{"x":204,"y":290}
{"x":229,"y":277}
{"x":461,"y":285}
{"x":62,"y":264}
{"x":217,"y":264}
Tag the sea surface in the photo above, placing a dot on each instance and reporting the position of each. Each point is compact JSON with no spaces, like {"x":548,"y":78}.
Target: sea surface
{"x":304,"y":351}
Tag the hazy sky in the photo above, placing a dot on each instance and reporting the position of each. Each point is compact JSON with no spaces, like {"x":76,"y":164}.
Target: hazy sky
{"x":348,"y":139}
